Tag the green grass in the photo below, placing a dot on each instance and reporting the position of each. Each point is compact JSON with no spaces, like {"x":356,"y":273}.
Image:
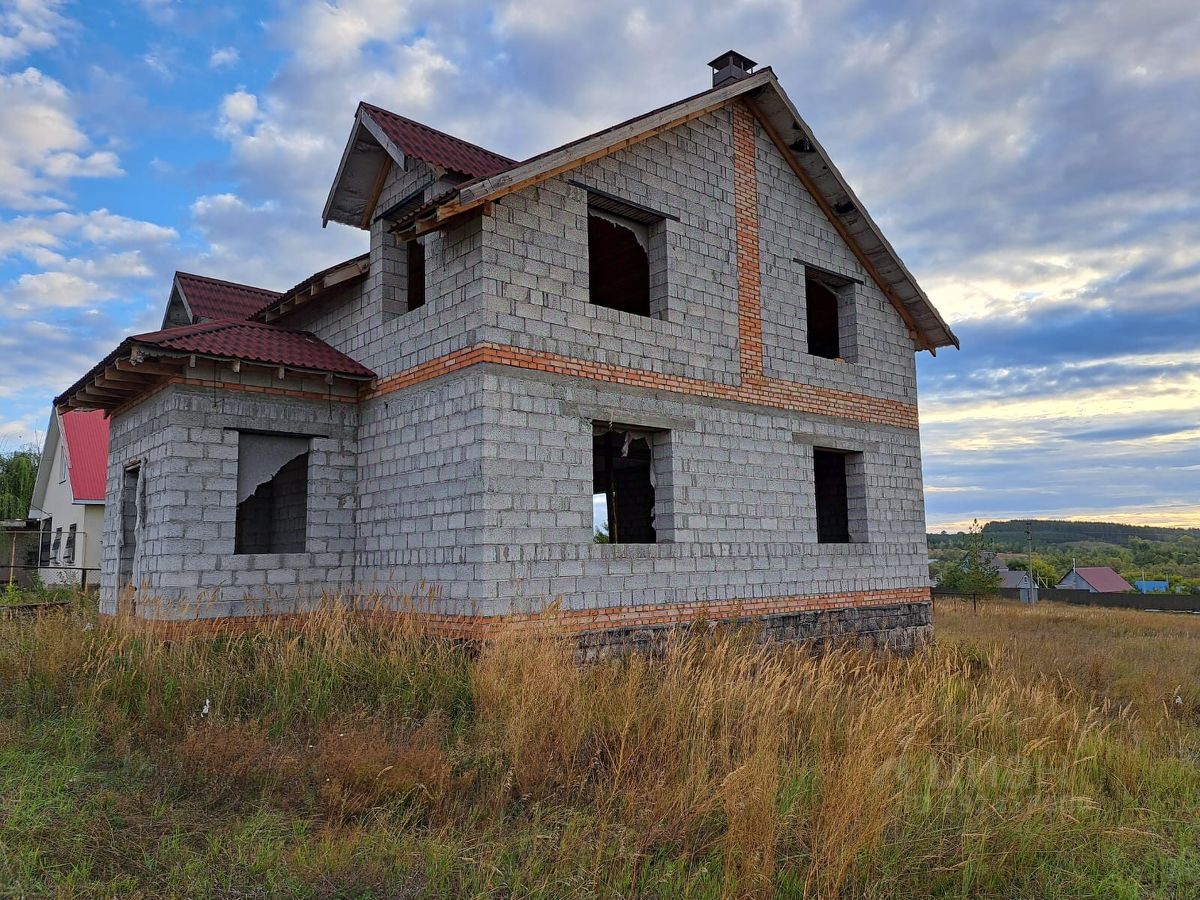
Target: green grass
{"x":1030,"y":753}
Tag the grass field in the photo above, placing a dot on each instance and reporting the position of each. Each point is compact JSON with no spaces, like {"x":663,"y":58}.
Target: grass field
{"x":1027,"y":753}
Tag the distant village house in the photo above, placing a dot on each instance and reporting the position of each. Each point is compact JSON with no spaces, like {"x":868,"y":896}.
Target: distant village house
{"x":1097,"y":579}
{"x":68,"y":497}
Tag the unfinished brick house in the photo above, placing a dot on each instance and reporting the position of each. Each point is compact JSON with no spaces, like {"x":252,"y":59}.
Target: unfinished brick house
{"x":660,"y":372}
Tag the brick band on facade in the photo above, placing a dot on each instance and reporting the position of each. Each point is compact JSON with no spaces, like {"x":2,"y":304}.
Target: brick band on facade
{"x":788,"y":395}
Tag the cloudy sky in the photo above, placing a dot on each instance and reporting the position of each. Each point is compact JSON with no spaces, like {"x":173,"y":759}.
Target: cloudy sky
{"x":1036,"y":164}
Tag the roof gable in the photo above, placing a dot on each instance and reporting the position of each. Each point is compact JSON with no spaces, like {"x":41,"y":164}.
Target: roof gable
{"x":213,"y":299}
{"x":803,"y":153}
{"x":438,"y":149}
{"x":381,"y":138}
{"x":46,"y":465}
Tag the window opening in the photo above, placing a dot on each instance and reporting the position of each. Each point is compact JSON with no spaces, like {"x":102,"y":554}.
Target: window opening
{"x":272,"y":510}
{"x":623,"y":486}
{"x":618,"y":263}
{"x":824,"y":329}
{"x":832,"y":497}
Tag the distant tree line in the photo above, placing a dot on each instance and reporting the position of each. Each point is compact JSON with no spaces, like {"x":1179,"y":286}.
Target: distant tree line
{"x":1010,"y":536}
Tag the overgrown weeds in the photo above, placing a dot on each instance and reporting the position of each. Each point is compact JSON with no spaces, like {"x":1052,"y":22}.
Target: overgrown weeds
{"x":1026,"y":753}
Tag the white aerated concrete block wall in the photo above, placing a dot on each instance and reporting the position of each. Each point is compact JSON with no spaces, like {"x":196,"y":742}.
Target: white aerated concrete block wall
{"x":186,"y":441}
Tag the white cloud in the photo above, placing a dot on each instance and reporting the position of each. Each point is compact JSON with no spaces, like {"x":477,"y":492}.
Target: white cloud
{"x":31,"y":235}
{"x":261,"y":244}
{"x":325,"y":35}
{"x":161,"y":12}
{"x":42,"y":145}
{"x":239,"y":110}
{"x":77,"y":284}
{"x":161,"y":61}
{"x":223,"y":58}
{"x":29,"y":25}
{"x":47,"y":290}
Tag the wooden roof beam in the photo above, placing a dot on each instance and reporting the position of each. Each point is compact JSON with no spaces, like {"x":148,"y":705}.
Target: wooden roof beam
{"x":148,"y":368}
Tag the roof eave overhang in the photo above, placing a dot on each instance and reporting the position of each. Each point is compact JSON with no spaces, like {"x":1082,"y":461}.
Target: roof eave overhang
{"x":577,"y":153}
{"x":135,"y":368}
{"x":341,"y":276}
{"x":780,"y":119}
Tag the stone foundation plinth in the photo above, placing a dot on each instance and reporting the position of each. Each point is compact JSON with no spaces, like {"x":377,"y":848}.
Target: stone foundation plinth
{"x":899,"y":628}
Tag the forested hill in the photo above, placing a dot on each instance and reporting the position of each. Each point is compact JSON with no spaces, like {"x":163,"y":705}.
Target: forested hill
{"x":1049,"y":533}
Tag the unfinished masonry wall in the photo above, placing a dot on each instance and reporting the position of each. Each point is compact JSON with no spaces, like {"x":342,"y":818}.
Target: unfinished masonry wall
{"x":184,"y":438}
{"x":422,"y":496}
{"x":475,"y":475}
{"x":370,"y":321}
{"x":535,"y":253}
{"x":736,"y":495}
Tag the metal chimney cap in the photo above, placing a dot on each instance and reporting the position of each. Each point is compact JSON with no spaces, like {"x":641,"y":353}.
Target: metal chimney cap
{"x":731,"y":66}
{"x":735,"y":59}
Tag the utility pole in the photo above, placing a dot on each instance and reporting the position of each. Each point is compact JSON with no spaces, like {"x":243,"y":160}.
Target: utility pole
{"x":1032,"y":582}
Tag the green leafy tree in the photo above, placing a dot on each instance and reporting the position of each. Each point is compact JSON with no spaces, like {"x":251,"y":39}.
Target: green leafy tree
{"x":975,"y":572}
{"x":18,"y":471}
{"x":1043,"y":570}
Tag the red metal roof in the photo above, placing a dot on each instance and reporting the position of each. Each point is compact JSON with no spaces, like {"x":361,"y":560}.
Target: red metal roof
{"x":255,"y":342}
{"x":315,"y":279}
{"x":436,"y":147}
{"x":86,"y":437}
{"x":1104,"y":579}
{"x":211,"y":298}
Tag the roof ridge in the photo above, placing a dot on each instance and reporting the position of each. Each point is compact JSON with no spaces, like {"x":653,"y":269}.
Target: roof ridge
{"x":227,"y":283}
{"x":440,"y":133}
{"x":593,"y":134}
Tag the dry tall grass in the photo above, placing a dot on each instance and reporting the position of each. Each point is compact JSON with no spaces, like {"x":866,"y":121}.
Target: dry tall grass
{"x":1027,"y":753}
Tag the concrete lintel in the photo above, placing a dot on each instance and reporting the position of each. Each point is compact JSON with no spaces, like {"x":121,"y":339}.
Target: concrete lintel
{"x":850,"y":445}
{"x":605,"y":413}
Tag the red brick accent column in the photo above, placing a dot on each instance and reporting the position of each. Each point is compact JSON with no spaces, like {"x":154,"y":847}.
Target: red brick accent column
{"x":745,"y":198}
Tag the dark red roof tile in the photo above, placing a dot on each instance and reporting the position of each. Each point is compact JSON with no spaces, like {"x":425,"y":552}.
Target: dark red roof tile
{"x":255,"y":342}
{"x":314,"y":279}
{"x":211,"y":298}
{"x":436,"y":147}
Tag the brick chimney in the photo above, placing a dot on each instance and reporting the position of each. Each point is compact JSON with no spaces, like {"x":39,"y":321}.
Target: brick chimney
{"x":731,"y":66}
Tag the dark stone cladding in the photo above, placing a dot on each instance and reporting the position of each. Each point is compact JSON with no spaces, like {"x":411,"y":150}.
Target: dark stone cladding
{"x":898,"y":628}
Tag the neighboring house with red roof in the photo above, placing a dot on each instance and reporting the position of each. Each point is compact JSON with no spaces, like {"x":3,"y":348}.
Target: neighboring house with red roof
{"x":1097,"y":579}
{"x":68,"y":496}
{"x":663,"y":371}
